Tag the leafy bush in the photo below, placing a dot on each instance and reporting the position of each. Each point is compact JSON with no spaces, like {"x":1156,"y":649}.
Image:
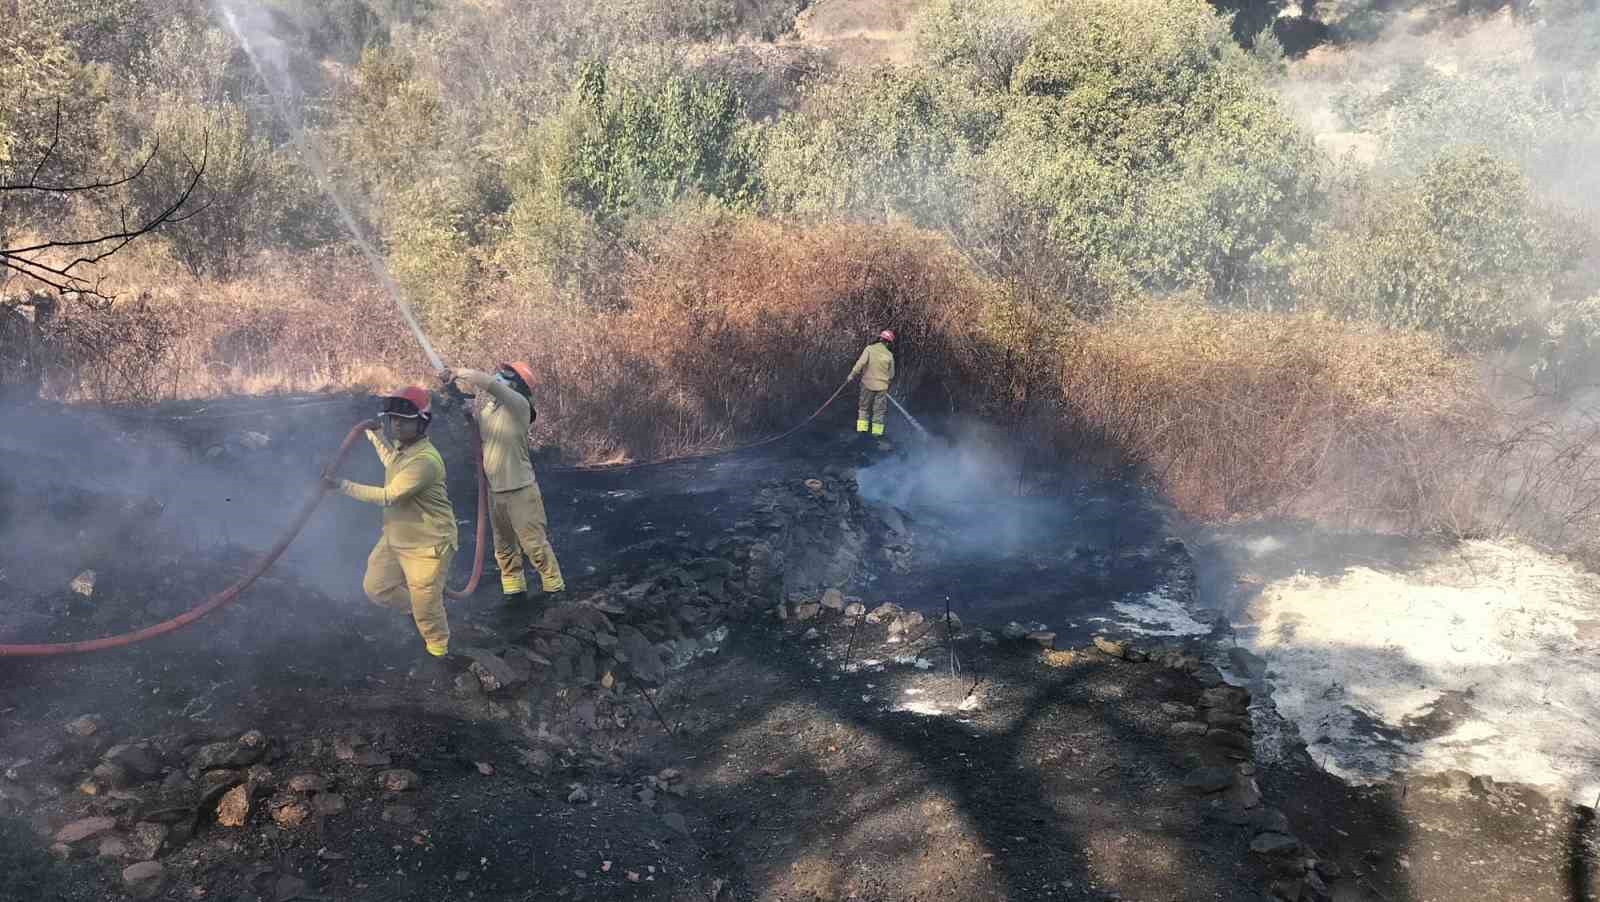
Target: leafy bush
{"x":1460,"y":251}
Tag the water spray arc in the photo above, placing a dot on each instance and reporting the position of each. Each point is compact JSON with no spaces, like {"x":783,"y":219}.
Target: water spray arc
{"x":277,"y":89}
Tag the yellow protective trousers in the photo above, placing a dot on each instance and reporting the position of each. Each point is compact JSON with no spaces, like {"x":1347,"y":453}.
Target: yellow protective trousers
{"x":871,"y":410}
{"x":520,"y":527}
{"x":413,"y":579}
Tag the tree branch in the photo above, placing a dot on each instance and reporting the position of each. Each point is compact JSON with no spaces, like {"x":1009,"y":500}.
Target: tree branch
{"x":61,"y":278}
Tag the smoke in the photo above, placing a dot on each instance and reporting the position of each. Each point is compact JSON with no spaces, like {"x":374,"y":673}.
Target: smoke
{"x":1430,"y":82}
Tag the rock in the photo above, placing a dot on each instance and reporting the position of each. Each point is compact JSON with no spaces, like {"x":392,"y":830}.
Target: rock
{"x":308,"y":783}
{"x":578,"y":796}
{"x":109,"y":774}
{"x":807,"y":611}
{"x":397,"y":780}
{"x":1116,"y":648}
{"x":114,"y":847}
{"x":1245,"y":664}
{"x":147,"y":840}
{"x":676,"y":823}
{"x":1229,"y":740}
{"x":1189,"y":728}
{"x":144,"y":878}
{"x":234,"y":807}
{"x":855,"y":610}
{"x":1233,"y":699}
{"x":83,"y":583}
{"x":404,"y":815}
{"x":811,"y":635}
{"x":1014,"y":631}
{"x":84,"y":727}
{"x":781,"y":611}
{"x":88,"y":828}
{"x":494,"y":674}
{"x":1275,"y":845}
{"x":289,"y":811}
{"x":136,"y":760}
{"x":833,"y":600}
{"x":1244,"y":793}
{"x":252,"y":745}
{"x":1206,"y":780}
{"x":330,"y":803}
{"x":1269,"y":820}
{"x":883,"y":612}
{"x":1179,"y":710}
{"x":260,"y":778}
{"x":1045,"y":639}
{"x":1227,"y":720}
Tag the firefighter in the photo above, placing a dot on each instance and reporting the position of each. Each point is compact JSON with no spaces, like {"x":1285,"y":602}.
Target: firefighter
{"x":875,"y":366}
{"x":516,"y":507}
{"x":408,"y":567}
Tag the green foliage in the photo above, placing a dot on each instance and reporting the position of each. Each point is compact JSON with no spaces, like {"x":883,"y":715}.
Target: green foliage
{"x":1461,"y":251}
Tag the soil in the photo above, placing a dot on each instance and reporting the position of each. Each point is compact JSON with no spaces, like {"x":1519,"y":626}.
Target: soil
{"x":821,"y":755}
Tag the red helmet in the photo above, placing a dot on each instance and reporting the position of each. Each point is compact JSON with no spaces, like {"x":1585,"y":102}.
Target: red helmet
{"x":410,"y":402}
{"x":523,"y":371}
{"x":887,"y":335}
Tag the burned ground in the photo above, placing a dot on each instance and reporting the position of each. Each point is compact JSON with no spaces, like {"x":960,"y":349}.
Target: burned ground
{"x":856,"y":747}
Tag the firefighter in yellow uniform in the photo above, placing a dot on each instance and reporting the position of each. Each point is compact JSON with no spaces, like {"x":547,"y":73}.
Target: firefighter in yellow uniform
{"x":875,"y":366}
{"x":516,"y":506}
{"x":408,"y":567}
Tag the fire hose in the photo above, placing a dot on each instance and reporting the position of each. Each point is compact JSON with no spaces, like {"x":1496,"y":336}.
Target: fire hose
{"x":231,"y":593}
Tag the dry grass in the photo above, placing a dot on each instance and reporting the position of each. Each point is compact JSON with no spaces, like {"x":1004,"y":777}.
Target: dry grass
{"x":734,"y":328}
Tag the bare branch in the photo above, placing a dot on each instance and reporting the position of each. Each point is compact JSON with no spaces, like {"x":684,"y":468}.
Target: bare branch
{"x":93,"y":250}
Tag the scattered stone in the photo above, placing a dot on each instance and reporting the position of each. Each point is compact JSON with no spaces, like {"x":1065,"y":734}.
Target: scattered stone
{"x":88,"y":828}
{"x":855,"y":610}
{"x":1045,"y":639}
{"x":485,"y":768}
{"x":308,"y":783}
{"x":61,"y":851}
{"x":807,"y":611}
{"x":1179,"y":710}
{"x":84,"y":727}
{"x":252,"y":745}
{"x":114,"y":847}
{"x":398,"y":780}
{"x":1116,"y":648}
{"x":578,"y":796}
{"x":1275,"y":845}
{"x":1189,"y":728}
{"x":1207,"y":780}
{"x":145,"y":877}
{"x":883,"y":612}
{"x":260,"y":778}
{"x":330,"y":803}
{"x":781,"y":611}
{"x":83,"y":583}
{"x":811,"y":635}
{"x":147,"y":840}
{"x":833,"y":600}
{"x":1014,"y":631}
{"x":234,"y":807}
{"x":494,"y":674}
{"x":677,"y":823}
{"x":289,"y":811}
{"x":404,"y":815}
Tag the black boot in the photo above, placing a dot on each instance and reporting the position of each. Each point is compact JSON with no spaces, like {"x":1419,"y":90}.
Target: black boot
{"x":515,"y":599}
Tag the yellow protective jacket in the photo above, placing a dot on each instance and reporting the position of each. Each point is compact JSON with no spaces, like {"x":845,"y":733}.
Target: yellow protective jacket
{"x":416,"y":508}
{"x":503,"y":420}
{"x":875,"y":366}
